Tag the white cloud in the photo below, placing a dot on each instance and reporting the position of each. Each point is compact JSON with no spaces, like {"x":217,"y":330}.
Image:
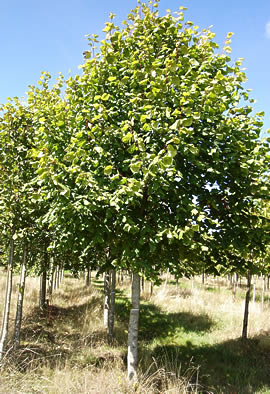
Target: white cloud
{"x":267,"y":29}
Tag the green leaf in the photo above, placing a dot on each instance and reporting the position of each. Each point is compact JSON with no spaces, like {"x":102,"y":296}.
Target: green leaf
{"x":194,"y":150}
{"x":60,"y":123}
{"x":167,"y":161}
{"x":187,"y":122}
{"x":127,"y":138}
{"x":168,"y":112}
{"x":143,"y":118}
{"x":219,"y":75}
{"x":108,"y":170}
{"x":105,"y":96}
{"x":135,"y":167}
{"x":171,"y":150}
{"x":175,"y":125}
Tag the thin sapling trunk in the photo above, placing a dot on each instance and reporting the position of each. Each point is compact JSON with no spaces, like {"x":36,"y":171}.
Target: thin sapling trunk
{"x":133,"y":329}
{"x":106,"y":298}
{"x":88,"y":277}
{"x":4,"y":331}
{"x":263,"y":291}
{"x":19,"y":311}
{"x":112,"y":303}
{"x":42,"y":294}
{"x":245,"y":321}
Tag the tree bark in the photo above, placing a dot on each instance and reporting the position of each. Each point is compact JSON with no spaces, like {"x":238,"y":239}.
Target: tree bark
{"x":254,"y":289}
{"x":51,"y":279}
{"x":133,"y":329}
{"x":19,"y":311}
{"x":88,"y":277}
{"x":112,"y":303}
{"x":234,"y":287}
{"x":58,"y":276}
{"x":43,"y":280}
{"x":151,"y":289}
{"x":42,"y":294}
{"x":203,"y":277}
{"x":142,"y":284}
{"x":263,"y":291}
{"x":245,"y":321}
{"x":106,"y":298}
{"x":4,"y":331}
{"x":62,"y":274}
{"x":55,"y":282}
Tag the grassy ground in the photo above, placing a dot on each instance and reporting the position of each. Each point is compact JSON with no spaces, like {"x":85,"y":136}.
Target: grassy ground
{"x":189,"y":342}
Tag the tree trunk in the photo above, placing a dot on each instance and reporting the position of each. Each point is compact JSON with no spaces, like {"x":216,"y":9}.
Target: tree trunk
{"x":42,"y":294}
{"x":43,"y":280}
{"x":245,"y":321}
{"x":254,"y":289}
{"x":106,"y":298}
{"x":133,"y":329}
{"x":112,"y":303}
{"x":263,"y":291}
{"x":235,"y":278}
{"x":55,"y":282}
{"x":142,"y":284}
{"x":88,"y":277}
{"x":203,"y":277}
{"x":58,"y":276}
{"x":62,"y":274}
{"x":51,"y":279}
{"x":151,"y":289}
{"x":4,"y":331}
{"x":19,"y":311}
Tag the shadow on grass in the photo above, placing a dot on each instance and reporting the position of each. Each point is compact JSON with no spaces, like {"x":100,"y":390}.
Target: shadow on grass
{"x":155,"y":323}
{"x":230,"y":367}
{"x":53,"y":335}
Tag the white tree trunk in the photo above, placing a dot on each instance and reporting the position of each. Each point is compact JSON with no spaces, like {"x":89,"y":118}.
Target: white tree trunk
{"x":133,"y":329}
{"x":55,"y":282}
{"x":19,"y":311}
{"x":112,"y":303}
{"x":106,"y":298}
{"x":234,"y":285}
{"x":58,"y":276}
{"x":263,"y":291}
{"x":254,"y":289}
{"x":4,"y":331}
{"x":51,"y":278}
{"x":62,"y":274}
{"x":245,"y":321}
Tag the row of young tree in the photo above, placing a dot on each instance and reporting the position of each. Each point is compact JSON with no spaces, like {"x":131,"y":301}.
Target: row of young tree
{"x":149,"y":160}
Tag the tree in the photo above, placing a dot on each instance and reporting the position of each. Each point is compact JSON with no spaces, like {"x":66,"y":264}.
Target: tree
{"x":161,"y":157}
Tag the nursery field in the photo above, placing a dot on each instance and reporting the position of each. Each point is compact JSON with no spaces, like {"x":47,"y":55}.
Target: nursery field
{"x":189,"y":340}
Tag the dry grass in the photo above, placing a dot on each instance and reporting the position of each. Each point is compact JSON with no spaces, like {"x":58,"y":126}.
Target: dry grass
{"x":189,"y":342}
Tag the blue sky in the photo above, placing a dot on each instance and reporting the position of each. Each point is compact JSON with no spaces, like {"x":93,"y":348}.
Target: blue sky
{"x":49,"y":36}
